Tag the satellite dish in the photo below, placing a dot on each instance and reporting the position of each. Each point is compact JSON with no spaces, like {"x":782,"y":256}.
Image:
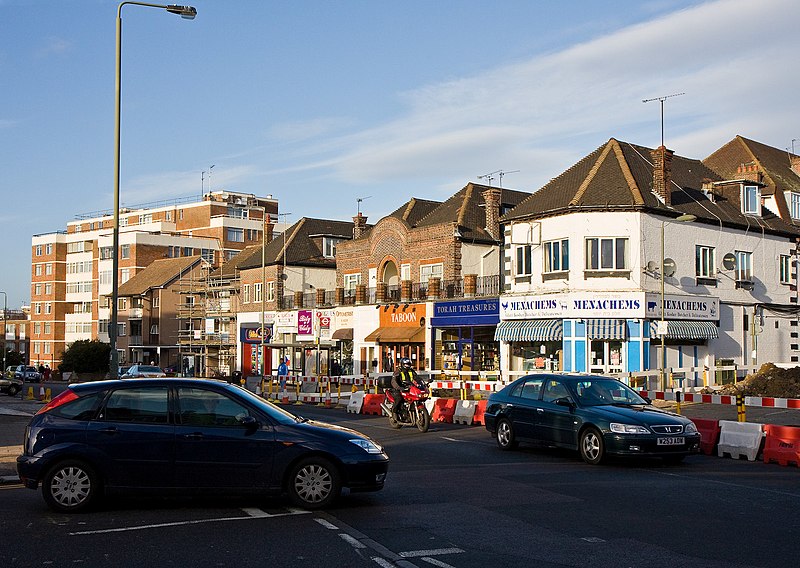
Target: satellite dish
{"x":729,"y":261}
{"x":652,"y":266}
{"x":669,"y":267}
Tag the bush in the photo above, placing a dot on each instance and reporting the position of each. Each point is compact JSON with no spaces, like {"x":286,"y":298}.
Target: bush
{"x":86,"y":356}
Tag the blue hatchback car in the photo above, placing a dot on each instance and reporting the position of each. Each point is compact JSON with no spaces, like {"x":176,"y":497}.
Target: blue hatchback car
{"x":188,"y":436}
{"x":598,"y":416}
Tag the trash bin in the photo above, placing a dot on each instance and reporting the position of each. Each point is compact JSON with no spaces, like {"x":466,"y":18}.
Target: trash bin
{"x":725,"y":377}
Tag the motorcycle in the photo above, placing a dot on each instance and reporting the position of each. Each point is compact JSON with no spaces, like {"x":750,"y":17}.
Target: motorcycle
{"x":412,"y":411}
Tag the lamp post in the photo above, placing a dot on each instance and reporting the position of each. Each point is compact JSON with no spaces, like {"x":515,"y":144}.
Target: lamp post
{"x":662,"y":326}
{"x":5,"y":309}
{"x":188,"y":13}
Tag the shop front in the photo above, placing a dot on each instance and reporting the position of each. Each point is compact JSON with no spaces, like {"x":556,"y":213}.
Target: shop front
{"x":255,"y":346}
{"x":463,"y":335}
{"x":342,"y":339}
{"x":401,"y":334}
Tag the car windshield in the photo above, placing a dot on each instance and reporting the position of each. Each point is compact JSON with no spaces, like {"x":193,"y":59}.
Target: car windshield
{"x":275,"y":412}
{"x":596,"y":391}
{"x":149,"y":369}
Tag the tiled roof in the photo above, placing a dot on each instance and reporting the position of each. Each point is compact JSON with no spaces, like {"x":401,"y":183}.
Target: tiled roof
{"x":302,"y":248}
{"x":619,"y":176}
{"x":159,"y":273}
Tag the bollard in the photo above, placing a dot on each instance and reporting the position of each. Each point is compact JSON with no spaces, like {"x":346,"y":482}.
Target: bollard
{"x":322,"y":390}
{"x":297,"y":386}
{"x":740,"y":411}
{"x":677,"y":402}
{"x":30,"y":393}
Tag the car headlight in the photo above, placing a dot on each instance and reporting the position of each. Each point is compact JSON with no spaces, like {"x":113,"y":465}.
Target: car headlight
{"x":618,"y":428}
{"x":690,"y":428}
{"x":366,"y":445}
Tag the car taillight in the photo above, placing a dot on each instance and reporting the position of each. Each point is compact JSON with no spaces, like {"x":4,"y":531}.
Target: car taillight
{"x":65,"y":397}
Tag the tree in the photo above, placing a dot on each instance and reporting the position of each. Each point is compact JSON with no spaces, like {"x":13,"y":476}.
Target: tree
{"x":86,"y":356}
{"x":13,"y":358}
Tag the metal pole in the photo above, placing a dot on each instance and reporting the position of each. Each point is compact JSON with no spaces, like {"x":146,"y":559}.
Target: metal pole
{"x":5,"y":310}
{"x":663,"y":335}
{"x":261,"y":353}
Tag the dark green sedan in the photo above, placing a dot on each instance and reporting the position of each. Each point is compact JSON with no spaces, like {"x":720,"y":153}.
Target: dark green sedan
{"x":598,"y":416}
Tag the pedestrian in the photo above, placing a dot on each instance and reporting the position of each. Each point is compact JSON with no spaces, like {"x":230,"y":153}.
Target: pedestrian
{"x":283,"y":368}
{"x":46,"y":373}
{"x":336,"y":368}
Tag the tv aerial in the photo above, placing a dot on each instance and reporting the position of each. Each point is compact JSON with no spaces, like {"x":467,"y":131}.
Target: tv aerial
{"x":661,"y":100}
{"x":358,"y":203}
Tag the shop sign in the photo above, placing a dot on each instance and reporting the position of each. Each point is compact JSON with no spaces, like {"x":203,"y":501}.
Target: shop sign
{"x":252,"y":334}
{"x":305,"y":322}
{"x":343,"y":317}
{"x":466,"y":313}
{"x":682,"y":307}
{"x":286,"y":322}
{"x":403,"y":315}
{"x":589,"y":305}
{"x":324,"y":323}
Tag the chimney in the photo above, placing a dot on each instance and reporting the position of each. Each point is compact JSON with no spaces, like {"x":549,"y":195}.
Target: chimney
{"x":662,"y":173}
{"x":795,"y":164}
{"x":749,"y":172}
{"x":359,"y":225}
{"x":491,"y":198}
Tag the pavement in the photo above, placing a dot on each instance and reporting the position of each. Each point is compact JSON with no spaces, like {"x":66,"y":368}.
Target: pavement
{"x":23,"y":409}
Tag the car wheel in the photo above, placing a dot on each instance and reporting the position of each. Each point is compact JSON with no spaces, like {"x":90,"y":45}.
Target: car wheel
{"x":592,"y":447}
{"x":314,"y":483}
{"x":13,"y":390}
{"x":505,"y":436}
{"x":70,"y":486}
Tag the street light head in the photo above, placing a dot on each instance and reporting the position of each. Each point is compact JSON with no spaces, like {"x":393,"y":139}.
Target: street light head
{"x":185,"y":12}
{"x":686,"y":218}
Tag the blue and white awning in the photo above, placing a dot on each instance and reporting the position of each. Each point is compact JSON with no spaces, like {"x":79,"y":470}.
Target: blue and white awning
{"x":529,"y":330}
{"x":606,"y":329}
{"x":682,"y":329}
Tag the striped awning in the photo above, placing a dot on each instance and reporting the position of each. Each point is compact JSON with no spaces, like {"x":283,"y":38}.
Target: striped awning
{"x":606,"y":329}
{"x":683,"y":329}
{"x":529,"y":330}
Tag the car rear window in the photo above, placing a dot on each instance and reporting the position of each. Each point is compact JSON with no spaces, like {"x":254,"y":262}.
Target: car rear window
{"x":82,"y":408}
{"x":149,"y":369}
{"x":142,"y":404}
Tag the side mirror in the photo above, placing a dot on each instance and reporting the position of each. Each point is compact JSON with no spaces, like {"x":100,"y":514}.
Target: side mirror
{"x":564,"y":401}
{"x":250,"y":423}
{"x":647,"y":399}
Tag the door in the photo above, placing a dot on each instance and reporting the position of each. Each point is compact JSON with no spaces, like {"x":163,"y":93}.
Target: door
{"x":523,"y":411}
{"x":556,"y":421}
{"x":134,"y":435}
{"x":606,"y":357}
{"x":214,"y":448}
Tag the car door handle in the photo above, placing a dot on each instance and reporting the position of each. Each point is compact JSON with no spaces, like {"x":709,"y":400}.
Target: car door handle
{"x":109,"y":430}
{"x":194,"y":436}
{"x":509,"y":406}
{"x":540,"y":410}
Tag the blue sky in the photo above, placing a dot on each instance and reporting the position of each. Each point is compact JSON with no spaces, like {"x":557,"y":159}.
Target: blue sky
{"x":320,"y":103}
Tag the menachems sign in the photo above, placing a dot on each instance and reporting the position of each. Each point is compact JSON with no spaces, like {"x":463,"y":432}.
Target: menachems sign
{"x":622,"y":305}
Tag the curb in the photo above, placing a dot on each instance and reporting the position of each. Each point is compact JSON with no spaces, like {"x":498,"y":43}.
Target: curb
{"x":9,"y":479}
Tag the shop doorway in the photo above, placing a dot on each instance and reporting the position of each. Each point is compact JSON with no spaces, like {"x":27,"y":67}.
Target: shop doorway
{"x":606,"y":356}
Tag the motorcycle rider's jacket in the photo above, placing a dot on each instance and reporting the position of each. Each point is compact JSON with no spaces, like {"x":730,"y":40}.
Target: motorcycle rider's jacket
{"x":403,"y":378}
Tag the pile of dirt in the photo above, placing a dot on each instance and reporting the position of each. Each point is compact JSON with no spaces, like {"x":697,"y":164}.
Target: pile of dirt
{"x":769,"y":380}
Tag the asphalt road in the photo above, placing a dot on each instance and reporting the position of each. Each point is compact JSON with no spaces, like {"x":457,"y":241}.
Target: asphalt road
{"x":451,"y":499}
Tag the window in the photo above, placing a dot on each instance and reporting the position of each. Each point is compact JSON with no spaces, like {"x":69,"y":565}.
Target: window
{"x":351,"y":280}
{"x":156,"y":301}
{"x":235,"y":235}
{"x":120,"y":330}
{"x":237,"y":213}
{"x":794,"y":205}
{"x":37,"y":308}
{"x":105,"y":277}
{"x":122,"y":303}
{"x":145,"y":218}
{"x":102,"y":326}
{"x":744,"y":266}
{"x":125,"y":251}
{"x":180,"y":214}
{"x":124,"y":275}
{"x":199,"y":407}
{"x":524,"y":262}
{"x":606,"y":253}
{"x":271,"y":291}
{"x":329,"y":246}
{"x":106,"y":253}
{"x":553,"y":390}
{"x":786,"y":269}
{"x":48,"y":268}
{"x":154,"y":329}
{"x":48,"y":307}
{"x":48,"y":249}
{"x":257,"y":292}
{"x":48,"y":289}
{"x":246,"y":294}
{"x":37,"y":270}
{"x":47,"y":345}
{"x":148,"y":405}
{"x":208,"y":255}
{"x":123,"y":221}
{"x":37,"y":289}
{"x":38,"y":250}
{"x":405,"y":272}
{"x":37,"y":328}
{"x":428,"y":271}
{"x":188,"y":251}
{"x":751,"y":200}
{"x":556,"y":256}
{"x":47,"y":328}
{"x":705,"y":262}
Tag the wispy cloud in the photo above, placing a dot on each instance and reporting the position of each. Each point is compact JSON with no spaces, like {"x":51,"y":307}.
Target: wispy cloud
{"x":8,"y":123}
{"x":152,"y":188}
{"x":54,"y":46}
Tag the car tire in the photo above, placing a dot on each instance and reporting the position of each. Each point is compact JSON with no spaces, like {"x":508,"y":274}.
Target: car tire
{"x":13,"y":390}
{"x":71,"y":486}
{"x":592,"y":446}
{"x":314,"y":483}
{"x":504,"y":435}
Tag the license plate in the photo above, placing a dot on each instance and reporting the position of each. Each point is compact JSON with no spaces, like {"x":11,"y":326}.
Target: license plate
{"x":671,"y":441}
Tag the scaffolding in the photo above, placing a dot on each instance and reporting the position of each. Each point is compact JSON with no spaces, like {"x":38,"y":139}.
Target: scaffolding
{"x":207,"y":323}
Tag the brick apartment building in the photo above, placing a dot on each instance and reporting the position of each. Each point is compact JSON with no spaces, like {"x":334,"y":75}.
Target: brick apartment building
{"x":71,"y":271}
{"x":15,"y":331}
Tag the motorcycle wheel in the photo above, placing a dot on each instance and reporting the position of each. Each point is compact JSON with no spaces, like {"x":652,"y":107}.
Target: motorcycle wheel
{"x":393,"y":422}
{"x":423,"y":419}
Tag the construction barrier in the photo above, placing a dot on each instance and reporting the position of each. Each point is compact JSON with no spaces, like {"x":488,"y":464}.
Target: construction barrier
{"x":372,"y":404}
{"x":443,"y":410}
{"x":782,"y":444}
{"x":480,"y":410}
{"x":464,"y":412}
{"x":356,"y":402}
{"x":740,"y":439}
{"x":709,"y":434}
{"x":30,"y":393}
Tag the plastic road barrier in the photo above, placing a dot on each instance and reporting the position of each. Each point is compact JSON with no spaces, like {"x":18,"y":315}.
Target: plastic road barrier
{"x":709,"y":434}
{"x":465,"y":411}
{"x":782,"y":444}
{"x":740,"y":439}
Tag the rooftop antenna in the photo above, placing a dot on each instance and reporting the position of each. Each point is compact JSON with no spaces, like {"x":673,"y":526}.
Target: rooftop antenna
{"x":661,"y":100}
{"x":490,"y":176}
{"x":501,"y":173}
{"x":202,"y":181}
{"x":793,"y":141}
{"x":358,"y":203}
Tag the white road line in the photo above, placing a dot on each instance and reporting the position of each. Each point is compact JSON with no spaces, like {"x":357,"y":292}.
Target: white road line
{"x":382,"y":562}
{"x":435,"y":552}
{"x":327,"y":525}
{"x":435,"y":562}
{"x":257,"y":513}
{"x":183,"y":523}
{"x":354,"y":542}
{"x":451,"y":439}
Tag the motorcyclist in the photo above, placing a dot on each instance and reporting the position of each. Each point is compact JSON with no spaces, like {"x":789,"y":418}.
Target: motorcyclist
{"x":402,"y":378}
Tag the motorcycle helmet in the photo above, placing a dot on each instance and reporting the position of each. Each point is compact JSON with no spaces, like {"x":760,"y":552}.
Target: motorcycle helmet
{"x":405,"y":363}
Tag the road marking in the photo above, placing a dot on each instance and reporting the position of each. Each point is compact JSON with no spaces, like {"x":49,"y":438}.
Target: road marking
{"x":354,"y":542}
{"x":382,"y":562}
{"x":435,"y":562}
{"x":435,"y":552}
{"x":327,"y":525}
{"x":452,"y":439}
{"x":592,"y":539}
{"x":185,"y":523}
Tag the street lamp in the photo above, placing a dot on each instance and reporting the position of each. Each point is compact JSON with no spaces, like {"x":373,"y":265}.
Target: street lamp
{"x":5,"y":309}
{"x":662,"y":326}
{"x":186,"y":12}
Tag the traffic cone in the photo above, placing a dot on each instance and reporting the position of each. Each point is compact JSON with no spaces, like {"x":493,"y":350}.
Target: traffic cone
{"x":41,"y":392}
{"x":284,"y":395}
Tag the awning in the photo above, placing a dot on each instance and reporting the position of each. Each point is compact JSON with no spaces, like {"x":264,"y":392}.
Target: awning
{"x":682,"y":329}
{"x":343,"y":333}
{"x":605,"y":329}
{"x":397,"y":335}
{"x":530,"y":330}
